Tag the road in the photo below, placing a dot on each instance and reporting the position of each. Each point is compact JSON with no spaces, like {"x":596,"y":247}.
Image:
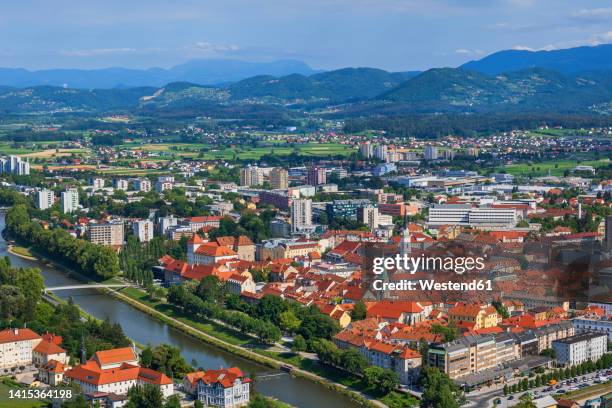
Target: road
{"x":486,"y":399}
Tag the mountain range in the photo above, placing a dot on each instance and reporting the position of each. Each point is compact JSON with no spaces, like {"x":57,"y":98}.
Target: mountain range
{"x":204,"y":71}
{"x":559,"y":85}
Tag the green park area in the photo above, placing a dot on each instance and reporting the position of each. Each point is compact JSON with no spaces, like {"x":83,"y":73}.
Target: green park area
{"x":555,"y":168}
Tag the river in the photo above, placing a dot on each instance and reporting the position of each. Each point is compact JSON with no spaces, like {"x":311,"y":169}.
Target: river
{"x":144,"y":329}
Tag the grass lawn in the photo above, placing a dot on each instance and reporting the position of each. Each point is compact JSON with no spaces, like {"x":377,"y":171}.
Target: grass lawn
{"x":6,"y":384}
{"x":556,"y":168}
{"x":22,"y":251}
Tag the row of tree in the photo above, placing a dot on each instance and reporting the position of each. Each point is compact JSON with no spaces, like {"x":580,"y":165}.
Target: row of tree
{"x":192,"y":304}
{"x":97,"y":261}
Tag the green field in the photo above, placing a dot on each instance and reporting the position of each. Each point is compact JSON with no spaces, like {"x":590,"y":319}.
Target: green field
{"x":209,"y":152}
{"x":6,"y":402}
{"x":556,"y":168}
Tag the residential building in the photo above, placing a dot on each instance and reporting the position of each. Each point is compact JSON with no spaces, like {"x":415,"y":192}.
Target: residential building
{"x":16,"y":347}
{"x":366,"y":150}
{"x":142,"y":184}
{"x":14,"y":164}
{"x":44,"y":199}
{"x":143,"y":230}
{"x":225,"y":388}
{"x":122,"y":184}
{"x":251,"y":176}
{"x":279,"y":178}
{"x":208,"y":253}
{"x":117,"y":371}
{"x":380,"y":152}
{"x":430,"y":152}
{"x":70,"y":200}
{"x":385,"y":168}
{"x":597,"y":325}
{"x":165,"y":223}
{"x":316,"y":176}
{"x":580,"y":348}
{"x":301,"y":215}
{"x":106,"y":233}
{"x":96,"y":183}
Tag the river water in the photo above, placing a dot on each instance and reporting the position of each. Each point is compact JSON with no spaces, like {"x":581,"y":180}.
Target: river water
{"x":144,"y":329}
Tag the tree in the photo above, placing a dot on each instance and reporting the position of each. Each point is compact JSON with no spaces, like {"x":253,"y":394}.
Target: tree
{"x":439,"y":390}
{"x":359,"y":311}
{"x":144,"y":397}
{"x":173,"y":402}
{"x":299,"y":344}
{"x":353,"y":361}
{"x":198,"y":404}
{"x":210,"y":288}
{"x":289,"y":322}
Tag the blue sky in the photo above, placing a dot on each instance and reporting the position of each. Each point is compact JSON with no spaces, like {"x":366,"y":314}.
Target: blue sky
{"x":388,"y":34}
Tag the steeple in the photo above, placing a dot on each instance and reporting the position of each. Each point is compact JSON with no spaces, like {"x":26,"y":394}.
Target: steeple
{"x":83,"y":351}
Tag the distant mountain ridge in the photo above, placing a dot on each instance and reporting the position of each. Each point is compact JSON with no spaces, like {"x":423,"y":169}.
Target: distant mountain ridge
{"x":205,"y":71}
{"x":566,"y":61}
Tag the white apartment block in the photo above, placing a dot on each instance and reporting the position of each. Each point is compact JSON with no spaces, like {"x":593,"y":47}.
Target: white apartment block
{"x":122,"y":184}
{"x":14,"y":165}
{"x":580,"y":348}
{"x":301,"y":214}
{"x":585,"y":324}
{"x":96,"y":183}
{"x":466,"y":215}
{"x":143,"y":230}
{"x":70,"y":200}
{"x":430,"y":153}
{"x":16,"y":347}
{"x":143,"y":185}
{"x":44,"y":199}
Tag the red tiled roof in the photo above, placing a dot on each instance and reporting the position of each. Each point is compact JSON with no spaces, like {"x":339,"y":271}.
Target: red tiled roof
{"x":14,"y":335}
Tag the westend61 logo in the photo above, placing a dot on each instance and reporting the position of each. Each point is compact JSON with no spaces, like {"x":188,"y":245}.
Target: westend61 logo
{"x":467,"y":268}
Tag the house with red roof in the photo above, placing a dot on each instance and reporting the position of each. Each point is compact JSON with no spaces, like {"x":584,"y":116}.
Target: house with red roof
{"x":48,"y":349}
{"x":116,"y":371}
{"x":16,"y":347}
{"x":219,"y":388}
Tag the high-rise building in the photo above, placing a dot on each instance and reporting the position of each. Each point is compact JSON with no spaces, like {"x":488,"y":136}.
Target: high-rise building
{"x":316,"y":176}
{"x":143,"y":230}
{"x":381,"y":152}
{"x":431,"y":152}
{"x":301,"y":214}
{"x":165,"y":223}
{"x":608,"y":236}
{"x":279,"y":178}
{"x":143,"y":185}
{"x":14,"y":164}
{"x":107,"y":233}
{"x":369,"y":216}
{"x":251,"y":176}
{"x":366,"y":150}
{"x":44,"y":199}
{"x":121,"y":184}
{"x":70,"y":200}
{"x":96,"y":183}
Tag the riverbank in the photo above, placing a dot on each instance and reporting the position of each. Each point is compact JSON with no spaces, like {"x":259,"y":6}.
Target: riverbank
{"x":356,"y":396}
{"x":218,"y":337}
{"x":21,"y":252}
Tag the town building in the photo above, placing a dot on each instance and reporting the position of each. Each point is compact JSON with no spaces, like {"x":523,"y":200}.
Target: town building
{"x":106,"y":233}
{"x":430,"y":152}
{"x":316,"y":176}
{"x":142,"y":184}
{"x":224,"y":388}
{"x":16,"y":347}
{"x":143,"y":230}
{"x":279,"y":178}
{"x":301,"y":215}
{"x":251,"y":176}
{"x":44,"y":199}
{"x":580,"y":348}
{"x":70,"y":200}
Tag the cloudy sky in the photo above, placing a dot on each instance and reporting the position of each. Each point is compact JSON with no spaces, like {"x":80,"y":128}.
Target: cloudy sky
{"x":389,"y":34}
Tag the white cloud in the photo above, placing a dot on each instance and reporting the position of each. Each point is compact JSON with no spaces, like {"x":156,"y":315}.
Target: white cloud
{"x":466,"y":51}
{"x":595,"y":14}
